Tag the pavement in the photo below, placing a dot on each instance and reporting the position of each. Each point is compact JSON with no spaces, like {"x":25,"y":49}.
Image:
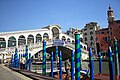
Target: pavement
{"x":8,"y":74}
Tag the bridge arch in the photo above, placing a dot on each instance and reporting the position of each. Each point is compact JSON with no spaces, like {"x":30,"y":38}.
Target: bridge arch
{"x":12,"y":41}
{"x":21,"y":40}
{"x":30,"y":39}
{"x":2,"y":43}
{"x":38,"y":38}
{"x":66,"y":52}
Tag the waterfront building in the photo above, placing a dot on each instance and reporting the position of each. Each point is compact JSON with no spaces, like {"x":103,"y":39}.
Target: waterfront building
{"x":105,"y":36}
{"x":102,"y":39}
{"x":113,"y":26}
{"x":89,"y":35}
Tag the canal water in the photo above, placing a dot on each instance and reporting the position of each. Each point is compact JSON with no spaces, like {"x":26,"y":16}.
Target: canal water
{"x":105,"y":67}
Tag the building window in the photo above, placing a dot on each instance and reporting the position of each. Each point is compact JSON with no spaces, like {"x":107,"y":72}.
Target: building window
{"x":111,"y":33}
{"x":91,"y":38}
{"x":91,"y":33}
{"x":110,"y":28}
{"x":91,"y":28}
{"x":101,"y":32}
{"x":85,"y":39}
{"x":85,"y":34}
{"x":91,"y":43}
{"x":85,"y":29}
{"x":96,"y":39}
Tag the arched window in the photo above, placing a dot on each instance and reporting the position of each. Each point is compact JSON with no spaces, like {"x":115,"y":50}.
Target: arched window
{"x":91,"y":33}
{"x":85,"y":34}
{"x":91,"y":38}
{"x":45,"y":35}
{"x":38,"y":38}
{"x":21,"y":40}
{"x":68,"y":39}
{"x":85,"y":38}
{"x":12,"y":41}
{"x":30,"y":39}
{"x":63,"y":38}
{"x":2,"y":43}
{"x":91,"y":43}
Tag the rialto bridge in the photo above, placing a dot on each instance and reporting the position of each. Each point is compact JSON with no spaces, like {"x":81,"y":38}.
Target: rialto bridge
{"x":33,"y":38}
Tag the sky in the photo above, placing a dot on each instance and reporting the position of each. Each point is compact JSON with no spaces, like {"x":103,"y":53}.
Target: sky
{"x":16,"y":15}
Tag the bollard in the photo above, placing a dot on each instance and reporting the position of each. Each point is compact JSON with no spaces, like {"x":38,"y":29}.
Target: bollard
{"x":52,"y":65}
{"x":111,"y":69}
{"x":91,"y":64}
{"x":44,"y":59}
{"x":77,"y":56}
{"x":72,"y":65}
{"x":60,"y":63}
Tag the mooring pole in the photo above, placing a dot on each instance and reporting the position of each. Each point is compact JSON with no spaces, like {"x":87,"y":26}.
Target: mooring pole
{"x":44,"y":58}
{"x":111,"y":69}
{"x":72,"y":65}
{"x":16,"y":58}
{"x":77,"y":56}
{"x":100,"y":63}
{"x":91,"y":64}
{"x":29,"y":61}
{"x":52,"y":65}
{"x":60,"y":63}
{"x":116,"y":57}
{"x":26,"y":57}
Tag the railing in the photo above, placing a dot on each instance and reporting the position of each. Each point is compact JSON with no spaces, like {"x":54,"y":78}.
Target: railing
{"x":32,"y":46}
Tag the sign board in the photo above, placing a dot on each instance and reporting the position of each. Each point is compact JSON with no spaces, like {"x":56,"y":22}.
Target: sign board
{"x":58,"y":43}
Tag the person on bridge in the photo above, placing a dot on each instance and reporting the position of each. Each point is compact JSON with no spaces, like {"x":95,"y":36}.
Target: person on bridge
{"x":67,"y":68}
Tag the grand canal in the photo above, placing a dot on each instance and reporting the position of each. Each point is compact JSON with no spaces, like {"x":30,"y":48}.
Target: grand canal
{"x":105,"y":67}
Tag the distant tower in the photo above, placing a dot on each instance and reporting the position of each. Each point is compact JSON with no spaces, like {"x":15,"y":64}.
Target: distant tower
{"x":110,"y":14}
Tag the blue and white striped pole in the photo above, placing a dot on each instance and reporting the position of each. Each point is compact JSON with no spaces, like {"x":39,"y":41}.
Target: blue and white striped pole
{"x":91,"y":64}
{"x":60,"y":63}
{"x":72,"y":65}
{"x":111,"y":69}
{"x":52,"y":65}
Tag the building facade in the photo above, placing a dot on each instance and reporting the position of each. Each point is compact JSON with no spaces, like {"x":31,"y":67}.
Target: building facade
{"x":106,"y":36}
{"x":89,"y":35}
{"x":102,"y":39}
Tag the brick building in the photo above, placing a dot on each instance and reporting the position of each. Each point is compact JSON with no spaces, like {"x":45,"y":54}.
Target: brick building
{"x":105,"y":37}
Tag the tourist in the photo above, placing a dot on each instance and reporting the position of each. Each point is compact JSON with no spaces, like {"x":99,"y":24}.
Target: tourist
{"x":67,"y":68}
{"x":22,"y":63}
